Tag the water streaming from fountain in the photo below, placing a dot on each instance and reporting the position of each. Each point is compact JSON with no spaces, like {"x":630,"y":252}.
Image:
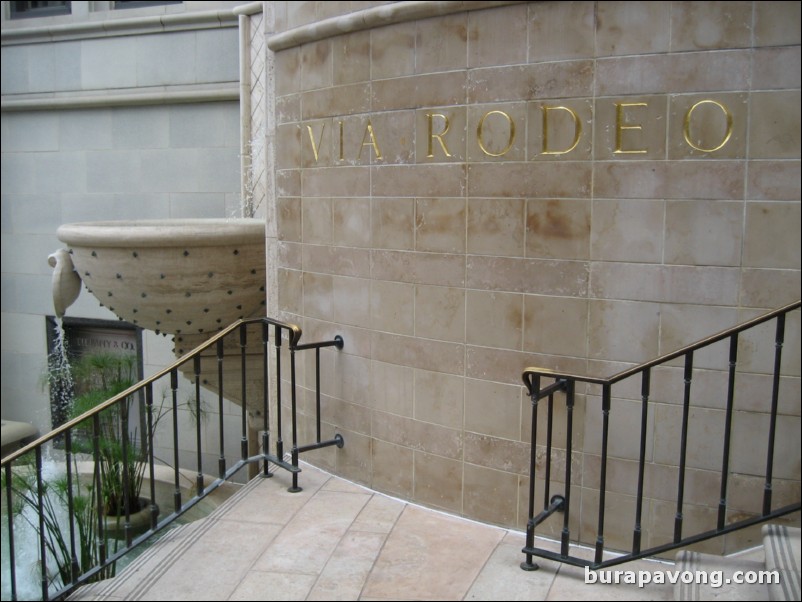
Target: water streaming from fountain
{"x":26,"y":546}
{"x":59,"y":375}
{"x":61,"y":384}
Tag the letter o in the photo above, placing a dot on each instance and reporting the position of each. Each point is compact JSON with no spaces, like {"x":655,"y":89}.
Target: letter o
{"x":479,"y":133}
{"x":686,"y":128}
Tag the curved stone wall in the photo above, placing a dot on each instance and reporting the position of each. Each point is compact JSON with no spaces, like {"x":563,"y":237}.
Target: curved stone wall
{"x":581,"y":186}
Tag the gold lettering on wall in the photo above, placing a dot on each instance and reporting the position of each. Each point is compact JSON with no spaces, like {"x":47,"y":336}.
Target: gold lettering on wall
{"x":577,"y":130}
{"x":479,"y":134}
{"x":446,"y":124}
{"x":686,"y":128}
{"x":315,"y":145}
{"x":369,"y":133}
{"x":629,"y":127}
{"x":620,"y":118}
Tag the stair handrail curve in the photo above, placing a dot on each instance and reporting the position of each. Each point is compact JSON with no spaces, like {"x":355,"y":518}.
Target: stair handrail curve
{"x":285,"y":334}
{"x":565,"y":383}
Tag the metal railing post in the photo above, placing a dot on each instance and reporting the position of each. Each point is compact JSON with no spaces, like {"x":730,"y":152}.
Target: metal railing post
{"x":266,"y":399}
{"x":12,"y":550}
{"x":644,"y":395}
{"x":683,"y":451}
{"x":41,"y":511}
{"x":221,"y":459}
{"x":779,"y":339}
{"x":243,"y":342}
{"x":569,"y":436}
{"x":725,"y":461}
{"x":606,"y":402}
{"x":534,"y":390}
{"x":154,"y":509}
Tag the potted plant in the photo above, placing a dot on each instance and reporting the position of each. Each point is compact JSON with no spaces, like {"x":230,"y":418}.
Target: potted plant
{"x":97,"y":378}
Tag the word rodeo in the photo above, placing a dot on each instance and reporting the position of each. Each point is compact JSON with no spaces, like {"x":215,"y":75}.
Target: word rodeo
{"x":535,"y":130}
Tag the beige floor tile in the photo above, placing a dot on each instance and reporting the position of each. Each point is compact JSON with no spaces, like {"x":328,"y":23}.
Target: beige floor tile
{"x":260,"y":585}
{"x":305,"y":543}
{"x":345,"y":573}
{"x":344,"y":542}
{"x":282,"y":504}
{"x":379,"y":515}
{"x":431,"y":556}
{"x":502,"y":578}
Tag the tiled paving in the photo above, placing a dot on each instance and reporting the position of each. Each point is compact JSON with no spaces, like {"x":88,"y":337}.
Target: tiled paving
{"x":338,"y":541}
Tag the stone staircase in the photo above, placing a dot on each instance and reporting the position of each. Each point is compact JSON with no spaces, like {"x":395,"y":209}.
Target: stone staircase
{"x":781,"y":553}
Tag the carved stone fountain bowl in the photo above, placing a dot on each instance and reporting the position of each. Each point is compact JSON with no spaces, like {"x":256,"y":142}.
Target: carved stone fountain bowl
{"x":172,"y":276}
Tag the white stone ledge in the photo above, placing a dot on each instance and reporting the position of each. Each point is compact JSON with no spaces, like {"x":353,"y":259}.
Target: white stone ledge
{"x":121,"y":98}
{"x":251,"y":8}
{"x":378,"y":16}
{"x":119,"y":27}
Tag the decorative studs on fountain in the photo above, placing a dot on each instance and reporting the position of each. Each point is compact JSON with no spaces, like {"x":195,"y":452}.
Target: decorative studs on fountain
{"x":175,"y":276}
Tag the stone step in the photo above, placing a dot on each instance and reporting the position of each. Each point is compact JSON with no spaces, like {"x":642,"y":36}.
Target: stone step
{"x":159,"y":556}
{"x":782,"y":545}
{"x":782,"y":553}
{"x":714,"y":578}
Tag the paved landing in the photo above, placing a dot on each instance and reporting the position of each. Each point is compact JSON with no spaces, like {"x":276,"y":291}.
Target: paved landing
{"x":338,"y":541}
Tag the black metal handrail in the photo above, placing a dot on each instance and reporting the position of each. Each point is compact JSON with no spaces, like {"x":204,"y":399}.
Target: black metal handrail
{"x":64,"y":434}
{"x":566,"y":383}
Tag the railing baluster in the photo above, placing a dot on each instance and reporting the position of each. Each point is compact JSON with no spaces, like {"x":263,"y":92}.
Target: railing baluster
{"x":279,"y":440}
{"x":176,"y":465}
{"x":154,"y":509}
{"x":196,"y":365}
{"x":686,"y":406}
{"x":338,"y":440}
{"x":221,"y":459}
{"x":266,"y":398}
{"x":125,"y":469}
{"x":775,"y":395}
{"x":243,"y":342}
{"x":75,"y":569}
{"x":549,"y":431}
{"x":569,"y":435}
{"x":317,"y":394}
{"x":294,"y":411}
{"x":12,"y":552}
{"x":606,"y":402}
{"x":534,"y":390}
{"x":644,"y":415}
{"x":98,"y":482}
{"x":725,"y":462}
{"x":41,"y":511}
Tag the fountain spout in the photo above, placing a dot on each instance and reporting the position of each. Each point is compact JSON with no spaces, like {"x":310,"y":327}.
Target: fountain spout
{"x":66,"y":283}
